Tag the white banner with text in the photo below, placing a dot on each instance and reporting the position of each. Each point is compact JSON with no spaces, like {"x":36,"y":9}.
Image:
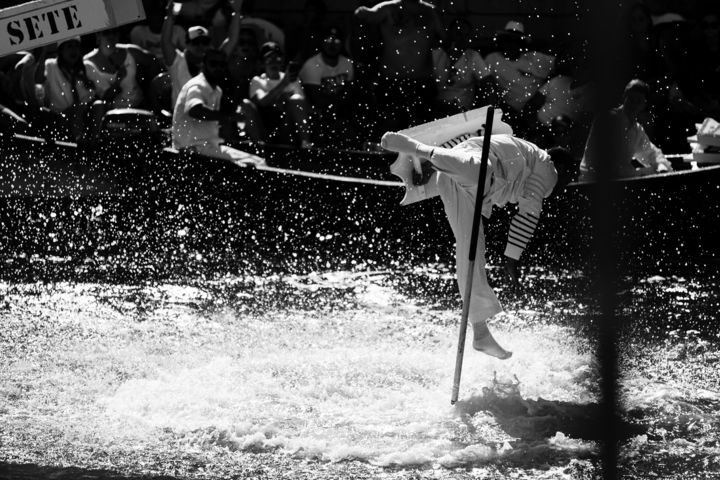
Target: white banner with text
{"x":42,"y":22}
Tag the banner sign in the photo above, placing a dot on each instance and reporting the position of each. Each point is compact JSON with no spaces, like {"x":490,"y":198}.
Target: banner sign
{"x":42,"y":22}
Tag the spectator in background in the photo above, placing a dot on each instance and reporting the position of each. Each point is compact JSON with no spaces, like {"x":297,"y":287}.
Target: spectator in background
{"x":12,"y":92}
{"x":149,"y":34}
{"x":621,"y":125}
{"x":242,"y":50}
{"x":182,"y":65}
{"x":518,"y":72}
{"x":63,"y":86}
{"x":305,"y":39}
{"x":279,"y":98}
{"x":558,"y":106}
{"x":409,"y":30}
{"x":196,"y":114}
{"x":243,"y":60}
{"x":327,"y":80}
{"x":113,"y":70}
{"x":459,"y":70}
{"x":214,"y":15}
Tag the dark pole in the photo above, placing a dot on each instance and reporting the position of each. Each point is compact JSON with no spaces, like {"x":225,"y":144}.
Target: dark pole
{"x":475,"y":233}
{"x":604,"y":23}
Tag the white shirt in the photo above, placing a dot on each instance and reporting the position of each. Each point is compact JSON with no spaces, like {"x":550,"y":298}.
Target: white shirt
{"x":458,"y":83}
{"x":188,"y":131}
{"x":518,"y":172}
{"x":316,"y":72}
{"x":511,"y":163}
{"x":130,"y":95}
{"x":58,"y":90}
{"x":559,"y":99}
{"x":636,"y":144}
{"x":520,"y":78}
{"x":179,"y":74}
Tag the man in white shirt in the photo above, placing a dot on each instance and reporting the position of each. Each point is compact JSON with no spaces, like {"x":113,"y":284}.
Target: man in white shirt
{"x":182,"y":64}
{"x":327,"y":75}
{"x":197,"y":113}
{"x":279,"y":97}
{"x":622,"y":124}
{"x":518,"y":172}
{"x":326,"y":78}
{"x":518,"y":71}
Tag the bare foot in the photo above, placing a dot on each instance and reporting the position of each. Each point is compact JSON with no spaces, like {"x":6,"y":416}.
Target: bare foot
{"x":398,"y":142}
{"x":483,"y":341}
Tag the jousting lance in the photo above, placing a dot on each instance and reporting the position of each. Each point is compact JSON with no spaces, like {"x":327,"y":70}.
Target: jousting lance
{"x":479,"y":196}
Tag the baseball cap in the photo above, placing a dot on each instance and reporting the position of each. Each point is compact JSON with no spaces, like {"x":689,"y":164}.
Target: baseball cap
{"x":196,"y":32}
{"x":269,"y":48}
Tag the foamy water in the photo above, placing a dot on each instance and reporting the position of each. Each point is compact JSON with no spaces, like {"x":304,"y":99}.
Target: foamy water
{"x":369,"y":383}
{"x":326,"y":368}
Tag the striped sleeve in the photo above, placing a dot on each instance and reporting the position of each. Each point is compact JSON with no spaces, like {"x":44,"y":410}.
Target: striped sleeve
{"x":537,"y":186}
{"x":456,"y":141}
{"x":522,"y":228}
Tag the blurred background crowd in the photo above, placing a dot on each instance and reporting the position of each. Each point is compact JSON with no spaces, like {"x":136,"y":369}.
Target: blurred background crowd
{"x":345,"y":72}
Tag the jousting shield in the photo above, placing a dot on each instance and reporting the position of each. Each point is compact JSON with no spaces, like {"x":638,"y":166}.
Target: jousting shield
{"x":439,"y":132}
{"x":42,"y":22}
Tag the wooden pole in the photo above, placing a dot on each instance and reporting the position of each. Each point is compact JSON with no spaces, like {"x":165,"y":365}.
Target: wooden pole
{"x":477,"y":214}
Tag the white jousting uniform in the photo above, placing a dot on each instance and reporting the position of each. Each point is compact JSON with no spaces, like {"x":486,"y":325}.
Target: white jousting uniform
{"x":518,"y":172}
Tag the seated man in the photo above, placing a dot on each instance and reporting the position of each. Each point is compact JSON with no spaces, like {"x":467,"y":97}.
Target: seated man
{"x":459,"y":70}
{"x":182,"y":65}
{"x":197,"y":113}
{"x":113,"y":70}
{"x":519,"y":73}
{"x":621,"y":124}
{"x":62,"y":85}
{"x":326,"y":78}
{"x":279,"y":97}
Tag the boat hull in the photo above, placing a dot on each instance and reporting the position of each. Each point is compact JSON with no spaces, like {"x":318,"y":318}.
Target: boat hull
{"x":159,"y":202}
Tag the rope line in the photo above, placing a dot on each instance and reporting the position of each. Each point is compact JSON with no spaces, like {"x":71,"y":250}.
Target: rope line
{"x":325,"y":176}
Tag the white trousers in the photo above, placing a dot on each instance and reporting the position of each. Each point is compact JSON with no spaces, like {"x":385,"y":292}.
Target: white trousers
{"x":458,"y":198}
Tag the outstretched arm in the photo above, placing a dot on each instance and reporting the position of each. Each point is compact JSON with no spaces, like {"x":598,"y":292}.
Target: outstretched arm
{"x":166,"y":33}
{"x":229,"y":44}
{"x":377,"y":14}
{"x":461,"y":165}
{"x":648,"y":152}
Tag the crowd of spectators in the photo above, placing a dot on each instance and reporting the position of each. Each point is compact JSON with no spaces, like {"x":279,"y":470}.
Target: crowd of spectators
{"x":342,"y":81}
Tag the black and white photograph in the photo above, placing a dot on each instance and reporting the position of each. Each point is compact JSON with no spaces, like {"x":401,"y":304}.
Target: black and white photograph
{"x":359,"y":239}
